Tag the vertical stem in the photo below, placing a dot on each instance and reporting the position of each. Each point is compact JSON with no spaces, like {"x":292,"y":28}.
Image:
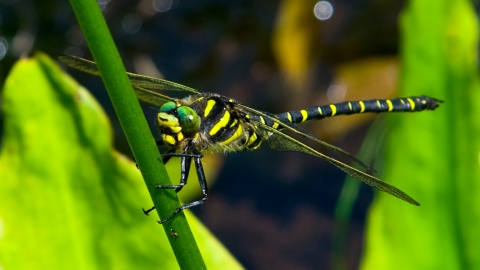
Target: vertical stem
{"x":136,"y":130}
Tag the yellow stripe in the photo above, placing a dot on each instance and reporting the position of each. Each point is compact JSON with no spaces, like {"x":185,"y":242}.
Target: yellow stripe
{"x":234,"y":122}
{"x":412,"y":104}
{"x":209,"y":107}
{"x":320,"y":111}
{"x":390,"y":105}
{"x":180,"y":136}
{"x":304,"y":115}
{"x":252,"y":139}
{"x":350,"y":106}
{"x":256,"y":146}
{"x":362,"y":106}
{"x":176,"y":129}
{"x":222,"y":123}
{"x":262,"y":120}
{"x":168,"y":139}
{"x":378,"y":104}
{"x":275,"y":125}
{"x":334,"y":109}
{"x":235,"y":135}
{"x":289,"y":117}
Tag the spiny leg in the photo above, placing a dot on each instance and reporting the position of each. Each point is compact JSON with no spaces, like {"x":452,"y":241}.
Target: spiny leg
{"x":203,"y":187}
{"x":186,"y":160}
{"x":146,"y":212}
{"x":184,"y":171}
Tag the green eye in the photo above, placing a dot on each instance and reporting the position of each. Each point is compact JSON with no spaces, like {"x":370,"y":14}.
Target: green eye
{"x":168,"y":106}
{"x":189,"y":120}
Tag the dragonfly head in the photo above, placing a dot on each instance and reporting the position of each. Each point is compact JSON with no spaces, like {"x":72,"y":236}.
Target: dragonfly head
{"x":177,"y":120}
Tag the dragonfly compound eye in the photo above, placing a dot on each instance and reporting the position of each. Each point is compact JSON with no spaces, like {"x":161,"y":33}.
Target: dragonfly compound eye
{"x":168,"y":106}
{"x":189,"y":120}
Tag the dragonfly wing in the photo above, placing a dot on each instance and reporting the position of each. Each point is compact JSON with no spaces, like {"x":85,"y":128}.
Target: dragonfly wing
{"x":156,"y":84}
{"x":282,"y":142}
{"x":80,"y":64}
{"x":151,"y":97}
{"x":140,"y":81}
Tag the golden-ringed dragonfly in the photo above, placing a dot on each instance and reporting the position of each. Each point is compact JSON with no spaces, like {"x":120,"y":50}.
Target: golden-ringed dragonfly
{"x":212,"y":123}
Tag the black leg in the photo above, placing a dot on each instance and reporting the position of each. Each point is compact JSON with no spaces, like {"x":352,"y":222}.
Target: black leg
{"x":203,"y":187}
{"x":185,"y":169}
{"x":185,"y":161}
{"x":169,"y":155}
{"x":148,"y":211}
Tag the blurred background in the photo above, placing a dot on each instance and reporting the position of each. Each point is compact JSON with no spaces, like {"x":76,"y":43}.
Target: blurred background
{"x":270,"y":210}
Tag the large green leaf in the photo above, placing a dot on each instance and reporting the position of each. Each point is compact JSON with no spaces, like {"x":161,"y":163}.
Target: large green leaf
{"x":67,"y":199}
{"x":433,"y":156}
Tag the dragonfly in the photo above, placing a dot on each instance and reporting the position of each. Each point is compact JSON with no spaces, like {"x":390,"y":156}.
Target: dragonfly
{"x":203,"y":122}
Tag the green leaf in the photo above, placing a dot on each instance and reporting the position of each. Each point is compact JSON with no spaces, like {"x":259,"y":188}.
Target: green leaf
{"x":433,"y":156}
{"x":67,"y":199}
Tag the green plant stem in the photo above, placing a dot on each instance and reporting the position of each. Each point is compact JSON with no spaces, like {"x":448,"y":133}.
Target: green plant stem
{"x":136,"y":130}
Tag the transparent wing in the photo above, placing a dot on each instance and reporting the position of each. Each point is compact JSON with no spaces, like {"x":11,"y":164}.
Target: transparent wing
{"x":298,"y":130}
{"x":151,"y":97}
{"x":147,"y":88}
{"x":282,"y":142}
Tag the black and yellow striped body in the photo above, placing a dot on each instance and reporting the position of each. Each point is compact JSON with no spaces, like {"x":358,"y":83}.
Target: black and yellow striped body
{"x":409,"y":104}
{"x":206,"y":122}
{"x":225,"y":128}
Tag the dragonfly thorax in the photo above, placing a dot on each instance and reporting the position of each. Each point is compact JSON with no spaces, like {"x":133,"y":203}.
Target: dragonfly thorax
{"x":223,"y":127}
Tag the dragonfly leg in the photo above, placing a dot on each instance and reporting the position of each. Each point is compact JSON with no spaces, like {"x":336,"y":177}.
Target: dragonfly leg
{"x":185,"y":169}
{"x":172,"y":154}
{"x":148,"y":211}
{"x":185,"y":161}
{"x":203,"y":187}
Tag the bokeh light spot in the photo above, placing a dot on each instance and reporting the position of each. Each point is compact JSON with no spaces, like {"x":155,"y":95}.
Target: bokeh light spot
{"x":3,"y":47}
{"x":131,"y":23}
{"x":336,"y":92}
{"x":323,"y":10}
{"x":162,"y":5}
